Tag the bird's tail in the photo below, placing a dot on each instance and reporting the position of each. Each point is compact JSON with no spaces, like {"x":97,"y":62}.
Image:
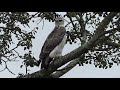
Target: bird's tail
{"x":45,"y":63}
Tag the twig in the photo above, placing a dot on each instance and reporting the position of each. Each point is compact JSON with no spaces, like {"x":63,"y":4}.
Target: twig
{"x":43,"y":24}
{"x":26,"y":68}
{"x":14,"y":48}
{"x":18,"y":54}
{"x":69,"y":23}
{"x":74,"y":27}
{"x":82,"y":30}
{"x":34,"y":15}
{"x":87,"y":19}
{"x":67,"y":68}
{"x":3,"y":69}
{"x":66,"y":20}
{"x":10,"y":71}
{"x":7,"y":67}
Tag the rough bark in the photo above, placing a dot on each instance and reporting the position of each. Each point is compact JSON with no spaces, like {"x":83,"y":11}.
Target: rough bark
{"x":64,"y":70}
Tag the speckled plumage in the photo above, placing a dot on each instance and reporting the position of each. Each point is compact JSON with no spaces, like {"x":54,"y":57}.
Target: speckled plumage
{"x":54,"y":44}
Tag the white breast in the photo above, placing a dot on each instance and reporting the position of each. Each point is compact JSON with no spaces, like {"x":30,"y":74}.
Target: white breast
{"x":58,"y":49}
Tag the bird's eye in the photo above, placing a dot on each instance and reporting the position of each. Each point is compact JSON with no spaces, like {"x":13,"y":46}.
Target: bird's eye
{"x":60,"y":20}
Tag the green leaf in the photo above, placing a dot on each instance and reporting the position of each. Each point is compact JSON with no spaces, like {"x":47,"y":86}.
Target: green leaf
{"x":106,"y":67}
{"x":95,"y":65}
{"x":100,"y":66}
{"x":20,"y":56}
{"x":110,"y":66}
{"x":115,"y":61}
{"x":111,"y":63}
{"x":86,"y":62}
{"x":90,"y":62}
{"x":25,"y":48}
{"x":31,"y":65}
{"x":21,"y":66}
{"x":82,"y":64}
{"x":37,"y":28}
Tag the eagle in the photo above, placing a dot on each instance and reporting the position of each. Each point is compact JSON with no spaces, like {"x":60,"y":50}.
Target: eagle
{"x":54,"y":44}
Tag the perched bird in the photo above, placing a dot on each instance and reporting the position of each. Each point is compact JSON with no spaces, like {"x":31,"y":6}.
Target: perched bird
{"x":54,"y":44}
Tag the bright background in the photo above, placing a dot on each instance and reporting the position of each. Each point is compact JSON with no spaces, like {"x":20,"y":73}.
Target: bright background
{"x":86,"y":71}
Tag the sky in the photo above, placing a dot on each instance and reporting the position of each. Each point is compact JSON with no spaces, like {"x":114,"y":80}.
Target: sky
{"x":86,"y":71}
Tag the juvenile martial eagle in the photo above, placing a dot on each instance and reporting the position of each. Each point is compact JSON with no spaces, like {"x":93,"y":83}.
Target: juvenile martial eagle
{"x":54,"y":43}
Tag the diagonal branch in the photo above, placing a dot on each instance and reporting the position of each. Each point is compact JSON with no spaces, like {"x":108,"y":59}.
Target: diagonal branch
{"x":64,"y":70}
{"x":82,"y":30}
{"x":113,"y":44}
{"x":105,"y":22}
{"x":6,"y":67}
{"x":74,"y":26}
{"x":82,"y":24}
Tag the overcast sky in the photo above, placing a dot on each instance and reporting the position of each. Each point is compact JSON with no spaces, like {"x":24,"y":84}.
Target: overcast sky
{"x":86,"y":71}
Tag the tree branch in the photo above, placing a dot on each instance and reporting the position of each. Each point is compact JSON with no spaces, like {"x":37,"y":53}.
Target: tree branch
{"x":105,"y":22}
{"x":113,"y":44}
{"x":74,"y":26}
{"x":69,"y":23}
{"x":64,"y":70}
{"x":6,"y":67}
{"x":83,"y":31}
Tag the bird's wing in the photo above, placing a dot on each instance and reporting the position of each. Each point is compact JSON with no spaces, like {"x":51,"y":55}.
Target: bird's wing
{"x":53,"y":40}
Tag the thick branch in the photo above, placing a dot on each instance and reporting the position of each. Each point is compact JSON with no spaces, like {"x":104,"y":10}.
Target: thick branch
{"x":64,"y":70}
{"x":113,"y":44}
{"x":74,"y":26}
{"x":105,"y":22}
{"x":83,"y":31}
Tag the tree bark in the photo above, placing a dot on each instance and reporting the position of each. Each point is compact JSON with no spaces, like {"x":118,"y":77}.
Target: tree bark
{"x":64,"y":70}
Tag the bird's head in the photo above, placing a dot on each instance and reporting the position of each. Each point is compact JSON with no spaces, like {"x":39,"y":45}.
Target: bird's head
{"x":59,"y":21}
